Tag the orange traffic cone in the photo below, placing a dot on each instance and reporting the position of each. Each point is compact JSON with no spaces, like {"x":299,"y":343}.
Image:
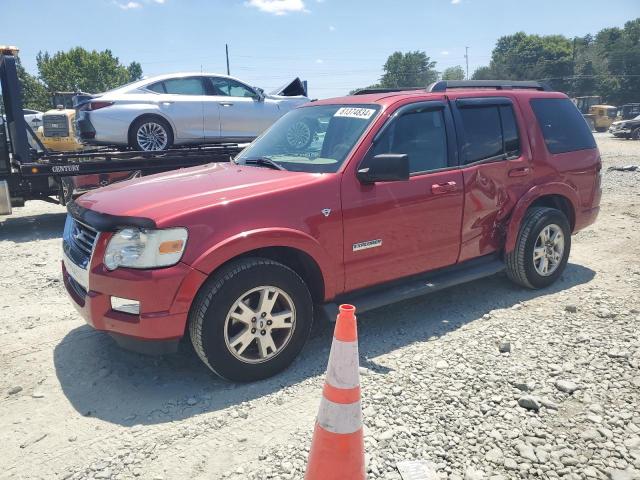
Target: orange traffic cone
{"x":337,"y":448}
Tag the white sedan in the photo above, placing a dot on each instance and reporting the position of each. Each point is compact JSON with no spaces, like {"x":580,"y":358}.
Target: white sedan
{"x":186,"y":108}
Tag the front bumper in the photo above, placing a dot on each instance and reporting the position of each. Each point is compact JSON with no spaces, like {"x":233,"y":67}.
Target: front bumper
{"x":165,"y":296}
{"x":620,"y":132}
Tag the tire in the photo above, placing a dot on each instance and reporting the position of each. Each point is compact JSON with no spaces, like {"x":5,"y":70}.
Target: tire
{"x":213,"y":331}
{"x":601,"y":129}
{"x":156,"y":130}
{"x":635,"y":135}
{"x":521,"y":266}
{"x":300,"y":134}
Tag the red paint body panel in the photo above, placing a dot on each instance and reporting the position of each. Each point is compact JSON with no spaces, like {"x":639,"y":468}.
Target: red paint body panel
{"x":230,"y":210}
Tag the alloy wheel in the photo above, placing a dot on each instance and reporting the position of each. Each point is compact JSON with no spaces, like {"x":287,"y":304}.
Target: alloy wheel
{"x":548,"y":250}
{"x":299,"y":135}
{"x":152,"y":136}
{"x":259,"y":324}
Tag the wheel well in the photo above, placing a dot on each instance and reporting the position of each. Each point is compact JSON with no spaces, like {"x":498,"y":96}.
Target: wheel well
{"x":559,"y":203}
{"x":298,"y":261}
{"x":149,"y":115}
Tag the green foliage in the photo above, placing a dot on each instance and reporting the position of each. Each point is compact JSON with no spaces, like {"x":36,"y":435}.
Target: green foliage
{"x":607,"y":64}
{"x":34,"y":92}
{"x":411,"y":69}
{"x":82,"y":70}
{"x":453,"y":73}
{"x":483,"y":73}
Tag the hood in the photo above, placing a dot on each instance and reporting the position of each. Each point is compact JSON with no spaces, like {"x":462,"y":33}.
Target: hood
{"x":295,"y":88}
{"x":168,"y":195}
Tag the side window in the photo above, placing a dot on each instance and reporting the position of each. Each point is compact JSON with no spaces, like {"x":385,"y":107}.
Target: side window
{"x":563,"y":126}
{"x":157,"y":87}
{"x":510,"y":132}
{"x":422,"y":135}
{"x":231,"y":88}
{"x":184,"y":86}
{"x":490,"y":132}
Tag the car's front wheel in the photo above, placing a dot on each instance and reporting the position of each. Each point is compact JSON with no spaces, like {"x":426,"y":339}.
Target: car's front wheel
{"x":150,"y":134}
{"x":251,"y":319}
{"x":542,"y":248}
{"x":635,"y":135}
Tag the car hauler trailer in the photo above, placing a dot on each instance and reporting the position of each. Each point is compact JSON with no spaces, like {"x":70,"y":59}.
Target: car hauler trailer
{"x":29,"y":171}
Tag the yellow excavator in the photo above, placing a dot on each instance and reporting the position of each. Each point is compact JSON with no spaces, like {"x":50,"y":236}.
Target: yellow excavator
{"x":58,"y":129}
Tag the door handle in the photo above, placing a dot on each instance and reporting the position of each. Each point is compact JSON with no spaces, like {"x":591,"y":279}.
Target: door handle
{"x":226,"y":104}
{"x":440,"y":188}
{"x":519,"y":172}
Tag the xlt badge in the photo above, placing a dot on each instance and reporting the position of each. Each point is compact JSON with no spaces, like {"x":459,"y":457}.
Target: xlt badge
{"x":367,"y":244}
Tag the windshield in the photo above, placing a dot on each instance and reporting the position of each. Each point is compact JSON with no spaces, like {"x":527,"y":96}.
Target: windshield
{"x":311,"y":139}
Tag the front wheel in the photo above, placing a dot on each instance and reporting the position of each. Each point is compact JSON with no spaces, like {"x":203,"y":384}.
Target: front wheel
{"x":542,"y":249}
{"x":251,"y":319}
{"x":635,"y":135}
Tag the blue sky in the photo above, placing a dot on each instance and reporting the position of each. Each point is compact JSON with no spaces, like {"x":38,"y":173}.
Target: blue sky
{"x":336,"y":45}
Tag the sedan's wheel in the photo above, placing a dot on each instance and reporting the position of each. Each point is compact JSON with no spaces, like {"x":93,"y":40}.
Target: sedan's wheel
{"x":636,"y":134}
{"x":251,"y":319}
{"x":151,"y":134}
{"x":299,"y":135}
{"x":542,"y":248}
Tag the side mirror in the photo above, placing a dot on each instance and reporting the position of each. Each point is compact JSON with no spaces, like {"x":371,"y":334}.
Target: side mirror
{"x":259,"y":96}
{"x":386,"y":167}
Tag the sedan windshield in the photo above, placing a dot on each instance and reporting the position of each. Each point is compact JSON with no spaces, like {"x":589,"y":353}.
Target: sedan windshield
{"x":310,"y":139}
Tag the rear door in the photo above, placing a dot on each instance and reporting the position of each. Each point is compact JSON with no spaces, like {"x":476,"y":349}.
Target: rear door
{"x":496,"y":172}
{"x":243,"y":113}
{"x":181,"y":100}
{"x":396,"y":229}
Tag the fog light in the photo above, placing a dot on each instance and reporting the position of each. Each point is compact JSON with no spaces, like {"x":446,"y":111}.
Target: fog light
{"x":125,"y":305}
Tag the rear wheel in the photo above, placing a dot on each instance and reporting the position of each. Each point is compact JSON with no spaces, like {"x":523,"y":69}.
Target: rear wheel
{"x":636,"y":134}
{"x":251,"y":319}
{"x":150,"y":134}
{"x":542,"y":249}
{"x":601,"y":129}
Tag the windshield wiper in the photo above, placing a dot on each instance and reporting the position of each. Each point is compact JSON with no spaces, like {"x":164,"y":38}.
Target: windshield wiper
{"x":263,"y":161}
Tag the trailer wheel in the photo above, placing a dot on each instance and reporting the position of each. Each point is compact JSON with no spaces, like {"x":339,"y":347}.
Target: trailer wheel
{"x":150,"y":134}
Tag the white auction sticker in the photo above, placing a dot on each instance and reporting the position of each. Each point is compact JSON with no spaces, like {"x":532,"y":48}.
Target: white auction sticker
{"x":355,"y":112}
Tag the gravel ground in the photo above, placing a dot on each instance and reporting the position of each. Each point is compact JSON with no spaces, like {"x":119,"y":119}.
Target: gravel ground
{"x":485,"y":380}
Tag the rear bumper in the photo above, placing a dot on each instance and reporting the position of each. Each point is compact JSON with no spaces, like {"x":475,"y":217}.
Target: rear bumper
{"x":165,"y":296}
{"x":586,"y":218}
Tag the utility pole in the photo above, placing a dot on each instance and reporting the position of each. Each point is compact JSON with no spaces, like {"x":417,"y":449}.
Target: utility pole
{"x":226,"y":47}
{"x":466,"y":57}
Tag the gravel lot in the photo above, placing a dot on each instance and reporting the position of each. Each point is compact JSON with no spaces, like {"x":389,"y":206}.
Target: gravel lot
{"x":486,"y":380}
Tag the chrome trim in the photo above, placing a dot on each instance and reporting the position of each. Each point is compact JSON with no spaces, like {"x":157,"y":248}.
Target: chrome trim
{"x":76,"y":272}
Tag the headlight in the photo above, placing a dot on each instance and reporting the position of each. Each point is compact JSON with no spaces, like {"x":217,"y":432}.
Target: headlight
{"x":135,"y":248}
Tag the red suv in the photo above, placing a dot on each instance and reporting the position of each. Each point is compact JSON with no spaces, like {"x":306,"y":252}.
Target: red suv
{"x":397,"y":194}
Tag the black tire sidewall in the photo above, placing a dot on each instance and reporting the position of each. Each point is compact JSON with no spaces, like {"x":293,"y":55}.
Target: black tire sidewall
{"x":551,"y":217}
{"x":133,"y":140}
{"x":219,"y":358}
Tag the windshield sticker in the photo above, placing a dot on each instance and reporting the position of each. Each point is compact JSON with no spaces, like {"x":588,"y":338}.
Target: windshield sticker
{"x":352,"y":112}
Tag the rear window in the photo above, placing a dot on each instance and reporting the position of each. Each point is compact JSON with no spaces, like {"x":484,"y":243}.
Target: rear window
{"x":563,"y":126}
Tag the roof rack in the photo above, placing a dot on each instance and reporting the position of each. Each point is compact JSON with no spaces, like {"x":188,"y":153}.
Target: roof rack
{"x":367,"y":91}
{"x":444,"y":85}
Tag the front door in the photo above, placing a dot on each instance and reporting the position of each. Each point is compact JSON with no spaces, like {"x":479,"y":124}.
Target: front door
{"x":397,"y":229}
{"x":243,"y":113}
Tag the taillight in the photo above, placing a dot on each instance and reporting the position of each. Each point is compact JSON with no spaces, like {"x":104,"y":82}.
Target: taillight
{"x":98,"y":105}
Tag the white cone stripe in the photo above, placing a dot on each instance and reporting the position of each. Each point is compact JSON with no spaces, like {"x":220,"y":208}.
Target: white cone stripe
{"x":340,"y":417}
{"x":343,"y":370}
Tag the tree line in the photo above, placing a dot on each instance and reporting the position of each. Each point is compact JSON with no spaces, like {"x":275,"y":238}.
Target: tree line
{"x":605,"y":64}
{"x":77,"y":70}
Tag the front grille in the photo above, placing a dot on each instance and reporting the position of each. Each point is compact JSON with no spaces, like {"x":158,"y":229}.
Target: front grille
{"x":55,"y":126}
{"x":78,"y":242}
